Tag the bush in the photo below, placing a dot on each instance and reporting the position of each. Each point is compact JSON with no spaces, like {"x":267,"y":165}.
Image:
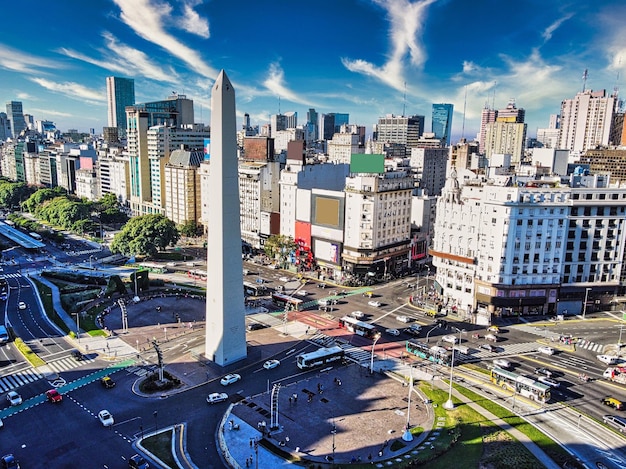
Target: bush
{"x":152,"y":384}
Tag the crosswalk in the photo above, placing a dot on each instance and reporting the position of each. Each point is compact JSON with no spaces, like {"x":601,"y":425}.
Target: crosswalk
{"x":354,"y":353}
{"x":591,"y":346}
{"x":87,"y":251}
{"x":29,"y":375}
{"x":13,"y":275}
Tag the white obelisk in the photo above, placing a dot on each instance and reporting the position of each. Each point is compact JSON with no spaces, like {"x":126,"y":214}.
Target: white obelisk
{"x":225,"y":310}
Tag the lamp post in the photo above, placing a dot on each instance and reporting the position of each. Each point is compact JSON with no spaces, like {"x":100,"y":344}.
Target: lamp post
{"x":407,"y":435}
{"x":449,"y":405}
{"x":156,"y":425}
{"x":333,"y":432}
{"x":90,"y":265}
{"x":428,"y":334}
{"x":376,"y":337}
{"x":78,"y":326}
{"x":585,"y":305}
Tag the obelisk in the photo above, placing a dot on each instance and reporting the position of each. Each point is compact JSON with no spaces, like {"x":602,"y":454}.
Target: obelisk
{"x":225,"y":309}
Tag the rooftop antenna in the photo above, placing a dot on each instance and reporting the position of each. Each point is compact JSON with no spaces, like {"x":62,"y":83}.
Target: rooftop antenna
{"x":493,"y":100}
{"x":279,"y":105}
{"x":584,"y":79}
{"x":404,"y":101}
{"x":464,"y":106}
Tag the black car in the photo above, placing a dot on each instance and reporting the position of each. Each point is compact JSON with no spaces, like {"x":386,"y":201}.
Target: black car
{"x":76,"y":354}
{"x":255,"y":326}
{"x":8,"y":461}
{"x":107,"y":382}
{"x":138,"y":462}
{"x":543,"y":371}
{"x":411,"y":331}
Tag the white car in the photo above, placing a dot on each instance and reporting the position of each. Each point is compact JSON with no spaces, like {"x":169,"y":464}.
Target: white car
{"x":452,"y":339}
{"x":21,"y":305}
{"x":216,"y":397}
{"x":394,"y":332}
{"x":404,"y":319}
{"x":357,"y":314}
{"x":546,"y":350}
{"x":268,"y":365}
{"x":302,"y":293}
{"x":284,"y":279}
{"x":608,"y":359}
{"x":230,"y":379}
{"x":502,"y":363}
{"x":549,"y":381}
{"x":374,"y":303}
{"x":14,"y":398}
{"x":105,"y":418}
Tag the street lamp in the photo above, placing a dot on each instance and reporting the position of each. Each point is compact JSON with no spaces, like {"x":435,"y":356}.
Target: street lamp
{"x":449,"y":405}
{"x":376,"y":337}
{"x":156,"y":425}
{"x":333,"y":432}
{"x":428,"y":334}
{"x":585,"y":305}
{"x":407,"y":435}
{"x":90,"y":259}
{"x":78,"y":326}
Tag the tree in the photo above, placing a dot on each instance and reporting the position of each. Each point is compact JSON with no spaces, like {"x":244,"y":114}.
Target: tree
{"x":38,"y":198}
{"x":279,"y":246}
{"x":12,"y":194}
{"x":145,"y":235}
{"x":109,"y":210}
{"x":190,"y":229}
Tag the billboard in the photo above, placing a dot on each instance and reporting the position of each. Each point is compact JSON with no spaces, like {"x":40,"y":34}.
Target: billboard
{"x":327,"y":211}
{"x":207,"y":149}
{"x":367,"y":163}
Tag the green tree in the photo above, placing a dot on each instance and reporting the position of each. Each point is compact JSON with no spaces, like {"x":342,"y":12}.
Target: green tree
{"x":12,"y":194}
{"x":110,"y":210}
{"x":190,"y":229}
{"x":40,"y":196}
{"x":145,"y":235}
{"x":279,"y":247}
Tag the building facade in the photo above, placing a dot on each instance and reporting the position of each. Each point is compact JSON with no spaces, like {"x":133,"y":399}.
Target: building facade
{"x":120,"y":93}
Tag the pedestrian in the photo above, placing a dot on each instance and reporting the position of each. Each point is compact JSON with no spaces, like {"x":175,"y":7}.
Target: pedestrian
{"x":295,"y":397}
{"x":290,"y":400}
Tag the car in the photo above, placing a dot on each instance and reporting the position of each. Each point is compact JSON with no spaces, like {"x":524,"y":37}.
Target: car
{"x":543,"y":371}
{"x":105,"y":418}
{"x":216,"y":397}
{"x":230,"y":379}
{"x":403,"y":318}
{"x":491,"y":337}
{"x":494,"y":329}
{"x":21,"y":305}
{"x":502,"y":363}
{"x":415,"y":327}
{"x":302,"y":293}
{"x":76,"y":354}
{"x":268,"y":365}
{"x":14,"y":398}
{"x":549,"y":381}
{"x":615,"y":421}
{"x":137,"y":461}
{"x":255,"y":326}
{"x":452,"y":339}
{"x":107,"y":382}
{"x":488,"y":347}
{"x":374,"y":303}
{"x":357,"y":314}
{"x":394,"y":332}
{"x":53,"y":395}
{"x":284,"y":279}
{"x":546,"y":350}
{"x":608,"y":359}
{"x":612,"y":402}
{"x":411,"y":331}
{"x":8,"y":461}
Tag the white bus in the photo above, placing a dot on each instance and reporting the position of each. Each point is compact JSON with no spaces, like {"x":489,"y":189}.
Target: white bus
{"x":320,"y":357}
{"x":34,"y":235}
{"x":522,"y":385}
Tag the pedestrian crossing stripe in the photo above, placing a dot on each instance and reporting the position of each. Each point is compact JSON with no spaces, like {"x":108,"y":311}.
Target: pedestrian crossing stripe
{"x":13,"y":275}
{"x":591,"y":346}
{"x":23,"y":377}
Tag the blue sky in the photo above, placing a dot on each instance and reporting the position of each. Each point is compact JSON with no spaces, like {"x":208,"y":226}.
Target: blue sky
{"x":368,"y":58}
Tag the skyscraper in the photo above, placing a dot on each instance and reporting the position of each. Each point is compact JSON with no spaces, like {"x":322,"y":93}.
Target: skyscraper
{"x":15,"y":115}
{"x":120,"y":93}
{"x":225,"y":310}
{"x":442,"y":122}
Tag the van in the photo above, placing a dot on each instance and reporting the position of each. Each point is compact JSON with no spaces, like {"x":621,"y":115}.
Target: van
{"x":4,"y":335}
{"x":612,"y":402}
{"x":608,"y":359}
{"x":615,"y":421}
{"x":463,"y":349}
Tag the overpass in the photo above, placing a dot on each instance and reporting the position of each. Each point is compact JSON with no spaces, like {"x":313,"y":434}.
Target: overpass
{"x":15,"y":235}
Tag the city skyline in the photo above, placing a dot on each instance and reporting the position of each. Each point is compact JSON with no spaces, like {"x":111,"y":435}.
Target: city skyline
{"x":391,"y":57}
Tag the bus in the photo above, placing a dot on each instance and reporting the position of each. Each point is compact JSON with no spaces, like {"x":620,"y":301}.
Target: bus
{"x":426,"y":352}
{"x":286,"y":301}
{"x":527,"y":387}
{"x":153,"y":267}
{"x":34,"y":235}
{"x":197,"y":274}
{"x":254,"y":289}
{"x":358,"y":327}
{"x":320,"y":357}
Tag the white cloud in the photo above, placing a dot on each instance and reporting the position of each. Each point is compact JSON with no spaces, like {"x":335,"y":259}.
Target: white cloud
{"x":146,"y":18}
{"x":193,"y":23}
{"x":71,"y":90}
{"x":406,"y":21}
{"x":20,"y":61}
{"x":275,"y":83}
{"x":547,"y":33}
{"x":48,"y":112}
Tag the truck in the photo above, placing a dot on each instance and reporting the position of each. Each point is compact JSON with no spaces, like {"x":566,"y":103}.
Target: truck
{"x":615,"y":374}
{"x":4,"y":335}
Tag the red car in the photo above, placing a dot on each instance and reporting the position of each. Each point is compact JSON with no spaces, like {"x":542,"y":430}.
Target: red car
{"x":53,"y":396}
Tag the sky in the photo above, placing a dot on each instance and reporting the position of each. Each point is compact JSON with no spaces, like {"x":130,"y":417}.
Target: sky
{"x":367,"y":58}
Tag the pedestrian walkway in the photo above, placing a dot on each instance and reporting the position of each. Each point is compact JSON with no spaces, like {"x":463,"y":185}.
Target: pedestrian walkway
{"x":588,"y":345}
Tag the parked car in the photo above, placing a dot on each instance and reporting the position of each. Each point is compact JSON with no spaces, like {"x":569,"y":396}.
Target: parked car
{"x":543,"y":371}
{"x":502,"y":363}
{"x":546,"y":350}
{"x":269,"y":364}
{"x":53,"y":395}
{"x":403,"y":318}
{"x":14,"y":398}
{"x":374,"y":303}
{"x":230,"y":379}
{"x":105,"y":417}
{"x":394,"y":332}
{"x":137,"y":461}
{"x":216,"y":397}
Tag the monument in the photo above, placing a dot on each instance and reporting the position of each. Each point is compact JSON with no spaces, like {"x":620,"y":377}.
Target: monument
{"x":225,"y":309}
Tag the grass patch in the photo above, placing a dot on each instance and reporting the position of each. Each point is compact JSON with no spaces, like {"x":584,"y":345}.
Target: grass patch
{"x":547,"y":444}
{"x":29,"y":355}
{"x":160,"y":445}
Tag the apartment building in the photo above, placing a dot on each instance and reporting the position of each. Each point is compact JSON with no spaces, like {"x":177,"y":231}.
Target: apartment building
{"x":182,"y":186}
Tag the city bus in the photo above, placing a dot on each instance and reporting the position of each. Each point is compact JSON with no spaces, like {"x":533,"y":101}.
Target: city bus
{"x":197,"y":274}
{"x":526,"y":387}
{"x":426,"y":352}
{"x":254,"y":289}
{"x":286,"y":301}
{"x":153,"y":267}
{"x":319,"y":357}
{"x":34,"y":235}
{"x":358,"y":327}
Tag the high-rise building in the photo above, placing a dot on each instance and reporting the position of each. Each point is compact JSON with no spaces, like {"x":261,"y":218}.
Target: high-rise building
{"x":312,"y":124}
{"x":487,"y":116}
{"x":506,"y":138}
{"x":5,"y":130}
{"x":15,"y":115}
{"x":120,"y":93}
{"x":225,"y":310}
{"x":400,"y":129}
{"x":586,"y":120}
{"x":442,"y":122}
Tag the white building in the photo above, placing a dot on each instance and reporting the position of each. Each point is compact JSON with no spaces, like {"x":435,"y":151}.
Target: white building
{"x":342,"y":146}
